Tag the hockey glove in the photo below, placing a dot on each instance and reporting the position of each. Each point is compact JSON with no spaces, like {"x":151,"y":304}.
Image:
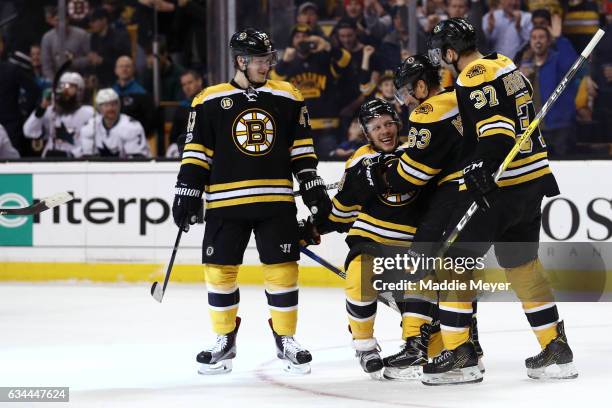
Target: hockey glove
{"x":369,"y":181}
{"x":314,"y":195}
{"x":479,"y":181}
{"x":307,"y":233}
{"x":187,"y":205}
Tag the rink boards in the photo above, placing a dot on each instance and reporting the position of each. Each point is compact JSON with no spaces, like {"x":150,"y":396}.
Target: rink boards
{"x":120,"y":227}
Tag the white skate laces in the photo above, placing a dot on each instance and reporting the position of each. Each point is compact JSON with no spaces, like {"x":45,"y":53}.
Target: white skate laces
{"x":290,"y":346}
{"x":219,"y":345}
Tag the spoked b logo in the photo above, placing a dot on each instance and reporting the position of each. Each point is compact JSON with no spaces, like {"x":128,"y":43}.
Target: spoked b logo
{"x":15,"y":192}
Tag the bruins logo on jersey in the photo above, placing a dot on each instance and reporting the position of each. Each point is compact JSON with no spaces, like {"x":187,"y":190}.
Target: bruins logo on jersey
{"x":396,"y":200}
{"x":424,"y":108}
{"x":477,"y":69}
{"x":254,"y":132}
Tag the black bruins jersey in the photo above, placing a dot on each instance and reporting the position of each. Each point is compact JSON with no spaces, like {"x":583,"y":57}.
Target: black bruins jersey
{"x":495,"y":102}
{"x":244,"y":145}
{"x":432,"y":151}
{"x":389,"y":219}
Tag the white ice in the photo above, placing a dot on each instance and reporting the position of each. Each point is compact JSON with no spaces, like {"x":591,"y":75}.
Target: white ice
{"x":114,"y":346}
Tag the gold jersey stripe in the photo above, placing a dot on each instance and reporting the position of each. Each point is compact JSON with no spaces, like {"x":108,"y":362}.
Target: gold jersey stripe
{"x":494,"y":118}
{"x":197,"y":162}
{"x":199,"y":148}
{"x":249,"y":183}
{"x":377,"y":238}
{"x":303,"y":142}
{"x":348,"y":220}
{"x":386,"y":224}
{"x":314,"y":156}
{"x":524,"y":178}
{"x":409,"y":178}
{"x":249,"y":200}
{"x":423,"y":167}
{"x":343,"y":207}
{"x":530,"y":159}
{"x":498,"y":131}
{"x":457,"y":174}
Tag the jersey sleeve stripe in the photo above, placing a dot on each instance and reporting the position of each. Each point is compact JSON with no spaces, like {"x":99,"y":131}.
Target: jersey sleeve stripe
{"x":414,"y":172}
{"x":303,"y":142}
{"x":409,"y":178}
{"x":410,"y":161}
{"x":385,"y":224}
{"x":335,"y":218}
{"x":310,"y":155}
{"x":199,"y":148}
{"x":296,"y":151}
{"x":530,"y":159}
{"x":197,"y":162}
{"x":337,"y":204}
{"x":197,"y":155}
{"x":249,"y":200}
{"x":249,"y":183}
{"x":495,"y":124}
{"x":498,"y":131}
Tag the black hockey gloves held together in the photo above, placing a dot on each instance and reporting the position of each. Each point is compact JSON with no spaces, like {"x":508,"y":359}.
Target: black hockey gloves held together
{"x":187,"y":205}
{"x":369,"y":179}
{"x":479,"y":181}
{"x":314,"y":195}
{"x":308,"y":233}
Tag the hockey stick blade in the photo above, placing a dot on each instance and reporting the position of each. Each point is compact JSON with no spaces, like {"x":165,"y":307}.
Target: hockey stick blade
{"x":157,"y":292}
{"x":43,"y":205}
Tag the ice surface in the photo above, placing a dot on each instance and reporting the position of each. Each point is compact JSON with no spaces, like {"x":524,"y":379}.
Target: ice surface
{"x":113,"y":345}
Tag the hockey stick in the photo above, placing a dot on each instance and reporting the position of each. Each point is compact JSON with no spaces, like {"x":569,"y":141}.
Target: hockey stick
{"x":331,"y":186}
{"x":43,"y":205}
{"x":156,"y":291}
{"x":384,"y":298}
{"x":527,"y":134}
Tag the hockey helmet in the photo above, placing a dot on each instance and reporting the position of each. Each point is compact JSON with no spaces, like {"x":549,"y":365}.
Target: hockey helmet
{"x":72,"y":78}
{"x":410,"y":71}
{"x":455,"y":33}
{"x":376,"y":108}
{"x":251,"y":41}
{"x":106,"y":95}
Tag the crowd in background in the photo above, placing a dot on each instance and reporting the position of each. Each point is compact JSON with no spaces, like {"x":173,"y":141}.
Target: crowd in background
{"x":339,"y":53}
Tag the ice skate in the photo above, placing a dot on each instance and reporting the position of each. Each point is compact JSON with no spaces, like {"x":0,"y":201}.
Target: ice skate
{"x":408,"y":363}
{"x":458,"y":366}
{"x":367,"y":350}
{"x":295,"y":358}
{"x":218,"y":358}
{"x":555,"y":361}
{"x":477,"y":347}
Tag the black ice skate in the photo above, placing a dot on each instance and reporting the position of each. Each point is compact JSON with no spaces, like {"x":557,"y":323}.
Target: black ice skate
{"x":555,"y":361}
{"x":408,"y":363}
{"x":295,"y":358}
{"x":458,"y":366}
{"x":218,"y":358}
{"x":367,"y":350}
{"x":477,"y":347}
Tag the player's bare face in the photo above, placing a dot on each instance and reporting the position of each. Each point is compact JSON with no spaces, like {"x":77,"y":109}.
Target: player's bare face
{"x":259,"y":67}
{"x":382,"y":132}
{"x":110,"y":111}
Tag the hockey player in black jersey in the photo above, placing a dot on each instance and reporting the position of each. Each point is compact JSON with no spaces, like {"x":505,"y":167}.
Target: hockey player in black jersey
{"x":245,"y":141}
{"x":373,"y":221}
{"x":495,"y":103}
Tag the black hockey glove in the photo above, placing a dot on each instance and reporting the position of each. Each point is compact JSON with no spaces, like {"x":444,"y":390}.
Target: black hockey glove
{"x":314,"y":195}
{"x":479,"y":181}
{"x":307,"y":233}
{"x":369,"y":180}
{"x":187,"y":205}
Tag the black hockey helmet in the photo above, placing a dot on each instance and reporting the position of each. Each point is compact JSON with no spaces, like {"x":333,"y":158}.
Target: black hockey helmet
{"x":375,"y":108}
{"x":455,"y":33}
{"x":410,"y":71}
{"x":251,"y":41}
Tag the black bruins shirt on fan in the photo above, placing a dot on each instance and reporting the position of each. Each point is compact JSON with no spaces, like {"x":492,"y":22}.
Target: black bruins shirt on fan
{"x":244,"y":145}
{"x":389,"y":219}
{"x":495,"y":103}
{"x":433,"y":148}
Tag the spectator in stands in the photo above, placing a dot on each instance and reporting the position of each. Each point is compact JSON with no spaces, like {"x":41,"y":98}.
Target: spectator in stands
{"x":113,"y":134}
{"x":371,"y":18}
{"x":59,"y":122}
{"x":601,"y":72}
{"x":19,"y":95}
{"x":581,"y":21}
{"x":507,"y":28}
{"x":190,"y":29}
{"x":394,"y":47}
{"x":314,"y":66}
{"x":114,"y":8}
{"x":552,"y":6}
{"x":192,"y":83}
{"x":355,"y":81}
{"x":543,"y":18}
{"x":472,"y":10}
{"x":308,"y":13}
{"x":385,"y":90}
{"x":42,"y":82}
{"x":431,"y":14}
{"x":76,"y":46}
{"x":170,"y":75}
{"x":106,"y":46}
{"x":7,"y":151}
{"x":135,"y":101}
{"x":354,"y":140}
{"x":545,"y":71}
